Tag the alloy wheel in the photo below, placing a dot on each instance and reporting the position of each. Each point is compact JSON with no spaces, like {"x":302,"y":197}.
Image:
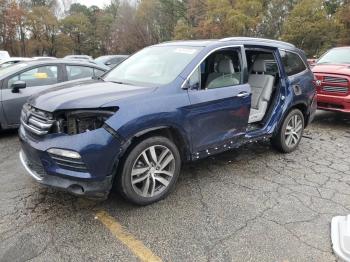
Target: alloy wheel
{"x":153,"y":171}
{"x":293,"y":131}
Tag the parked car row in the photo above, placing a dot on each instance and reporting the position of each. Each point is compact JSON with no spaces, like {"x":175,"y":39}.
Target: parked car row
{"x":20,"y":81}
{"x":108,"y":60}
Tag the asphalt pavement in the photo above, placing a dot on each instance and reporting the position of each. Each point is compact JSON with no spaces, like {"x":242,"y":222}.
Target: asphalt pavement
{"x":249,"y":204}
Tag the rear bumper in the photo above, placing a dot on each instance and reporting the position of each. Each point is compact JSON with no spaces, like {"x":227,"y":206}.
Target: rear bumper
{"x":313,"y":108}
{"x":333,"y":103}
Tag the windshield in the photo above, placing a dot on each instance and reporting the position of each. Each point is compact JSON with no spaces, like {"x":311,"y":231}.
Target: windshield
{"x":336,"y":56}
{"x":153,"y":66}
{"x":12,"y":69}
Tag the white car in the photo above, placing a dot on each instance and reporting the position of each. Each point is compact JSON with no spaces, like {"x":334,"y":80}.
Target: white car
{"x":43,"y":58}
{"x":4,"y":55}
{"x":12,"y":60}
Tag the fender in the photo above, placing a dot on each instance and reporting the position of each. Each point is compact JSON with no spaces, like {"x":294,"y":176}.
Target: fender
{"x":127,"y":142}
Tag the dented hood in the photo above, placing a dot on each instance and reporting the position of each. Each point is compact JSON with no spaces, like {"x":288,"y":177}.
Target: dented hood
{"x":84,"y":94}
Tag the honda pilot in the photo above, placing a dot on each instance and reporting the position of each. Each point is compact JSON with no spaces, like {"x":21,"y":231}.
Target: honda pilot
{"x":166,"y":105}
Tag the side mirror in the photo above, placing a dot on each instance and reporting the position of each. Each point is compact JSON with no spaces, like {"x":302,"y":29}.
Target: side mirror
{"x":16,"y":86}
{"x":187,"y":85}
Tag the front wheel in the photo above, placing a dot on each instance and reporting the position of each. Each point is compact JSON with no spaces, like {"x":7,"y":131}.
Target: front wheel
{"x":150,"y":171}
{"x":290,"y":133}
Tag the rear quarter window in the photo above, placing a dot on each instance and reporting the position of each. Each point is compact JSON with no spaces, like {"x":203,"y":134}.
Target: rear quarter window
{"x":293,"y":64}
{"x":75,"y":72}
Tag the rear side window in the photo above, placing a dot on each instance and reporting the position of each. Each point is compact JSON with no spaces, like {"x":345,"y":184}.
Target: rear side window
{"x":78,"y":72}
{"x":98,"y":72}
{"x":292,"y":62}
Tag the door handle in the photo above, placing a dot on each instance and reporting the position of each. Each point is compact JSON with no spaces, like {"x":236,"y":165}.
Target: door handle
{"x":243,"y":94}
{"x":297,"y":89}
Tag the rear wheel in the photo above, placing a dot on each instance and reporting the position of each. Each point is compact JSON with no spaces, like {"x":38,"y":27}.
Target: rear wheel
{"x":290,"y":133}
{"x":150,"y":171}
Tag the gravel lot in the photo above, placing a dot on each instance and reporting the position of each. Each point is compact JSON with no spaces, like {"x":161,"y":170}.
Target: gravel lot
{"x":251,"y":204}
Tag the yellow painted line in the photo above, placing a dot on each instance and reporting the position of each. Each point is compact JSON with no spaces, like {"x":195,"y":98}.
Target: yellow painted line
{"x":135,"y":246}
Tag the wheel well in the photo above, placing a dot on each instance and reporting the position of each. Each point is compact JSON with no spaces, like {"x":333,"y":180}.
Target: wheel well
{"x":303,"y":109}
{"x":168,"y":132}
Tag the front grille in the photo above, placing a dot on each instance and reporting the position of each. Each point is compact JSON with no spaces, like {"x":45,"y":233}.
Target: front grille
{"x":332,"y":79}
{"x":335,"y":89}
{"x":69,"y":163}
{"x":36,"y":121}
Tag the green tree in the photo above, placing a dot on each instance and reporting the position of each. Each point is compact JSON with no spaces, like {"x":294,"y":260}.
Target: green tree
{"x":43,"y":27}
{"x":310,"y":27}
{"x":332,"y":6}
{"x":159,"y":18}
{"x":76,"y":26}
{"x":230,"y":18}
{"x":343,"y":17}
{"x":276,"y":12}
{"x":79,"y":9}
{"x":12,"y":22}
{"x":112,"y":9}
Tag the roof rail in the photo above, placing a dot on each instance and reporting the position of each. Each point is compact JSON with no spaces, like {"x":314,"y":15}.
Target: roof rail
{"x":255,"y":39}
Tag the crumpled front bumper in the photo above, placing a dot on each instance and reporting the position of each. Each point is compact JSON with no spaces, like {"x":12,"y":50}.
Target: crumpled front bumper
{"x":98,"y":189}
{"x":99,"y":151}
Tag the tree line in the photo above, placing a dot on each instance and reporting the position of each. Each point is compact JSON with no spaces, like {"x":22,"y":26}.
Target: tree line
{"x":60,"y":27}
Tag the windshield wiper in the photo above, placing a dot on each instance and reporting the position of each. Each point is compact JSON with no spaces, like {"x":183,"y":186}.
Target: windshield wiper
{"x":121,"y":83}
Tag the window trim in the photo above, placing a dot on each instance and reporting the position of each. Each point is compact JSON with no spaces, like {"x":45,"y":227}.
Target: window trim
{"x":293,"y":52}
{"x":275,"y":53}
{"x":183,"y":85}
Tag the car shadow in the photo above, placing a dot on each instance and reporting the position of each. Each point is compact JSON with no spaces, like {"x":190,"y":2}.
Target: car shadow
{"x":329,"y":119}
{"x":8,"y":133}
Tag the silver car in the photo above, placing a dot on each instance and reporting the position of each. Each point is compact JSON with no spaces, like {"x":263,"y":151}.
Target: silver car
{"x":20,"y":81}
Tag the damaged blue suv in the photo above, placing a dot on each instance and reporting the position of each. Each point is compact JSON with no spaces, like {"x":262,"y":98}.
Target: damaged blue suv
{"x":165,"y":105}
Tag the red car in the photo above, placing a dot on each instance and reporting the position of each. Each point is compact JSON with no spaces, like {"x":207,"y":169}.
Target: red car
{"x":332,"y":79}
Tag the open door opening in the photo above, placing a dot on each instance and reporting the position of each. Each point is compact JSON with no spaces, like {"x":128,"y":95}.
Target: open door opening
{"x":265,"y":82}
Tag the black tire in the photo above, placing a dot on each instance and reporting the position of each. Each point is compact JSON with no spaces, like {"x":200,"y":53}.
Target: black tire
{"x":124,"y":178}
{"x":279,"y":140}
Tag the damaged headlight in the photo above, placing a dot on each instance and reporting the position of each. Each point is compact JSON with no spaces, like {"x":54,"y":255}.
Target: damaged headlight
{"x":80,"y":121}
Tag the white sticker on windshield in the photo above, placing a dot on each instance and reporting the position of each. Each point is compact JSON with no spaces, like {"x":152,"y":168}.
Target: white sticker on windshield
{"x":188,"y":51}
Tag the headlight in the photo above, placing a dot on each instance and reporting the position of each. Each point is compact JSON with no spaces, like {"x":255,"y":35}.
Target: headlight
{"x":64,"y":152}
{"x":81,"y":121}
